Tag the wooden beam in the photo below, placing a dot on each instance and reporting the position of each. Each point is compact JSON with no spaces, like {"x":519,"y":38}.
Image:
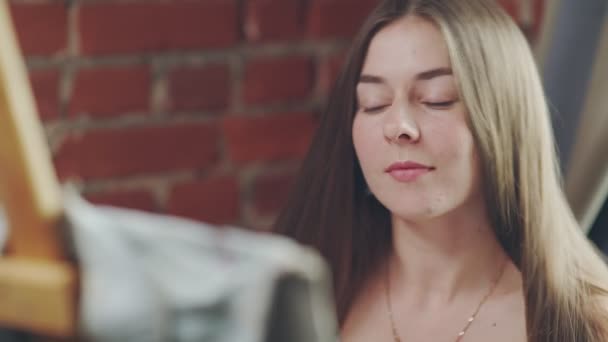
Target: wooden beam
{"x":29,"y":189}
{"x":38,"y":296}
{"x":38,"y":286}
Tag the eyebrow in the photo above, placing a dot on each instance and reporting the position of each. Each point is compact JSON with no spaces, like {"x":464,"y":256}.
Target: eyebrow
{"x":423,"y":76}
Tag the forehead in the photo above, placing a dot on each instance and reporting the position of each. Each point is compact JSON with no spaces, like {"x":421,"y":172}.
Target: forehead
{"x":405,"y":47}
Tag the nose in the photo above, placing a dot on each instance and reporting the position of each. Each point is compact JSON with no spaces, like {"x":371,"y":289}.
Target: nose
{"x":401,"y":126}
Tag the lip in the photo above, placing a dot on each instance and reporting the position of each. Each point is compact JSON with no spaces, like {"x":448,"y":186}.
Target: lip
{"x":408,"y":171}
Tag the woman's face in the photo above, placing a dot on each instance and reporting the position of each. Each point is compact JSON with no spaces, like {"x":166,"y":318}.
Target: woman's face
{"x":410,"y":133}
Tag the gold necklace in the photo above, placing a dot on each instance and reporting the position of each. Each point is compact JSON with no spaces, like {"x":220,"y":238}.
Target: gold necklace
{"x":460,"y":335}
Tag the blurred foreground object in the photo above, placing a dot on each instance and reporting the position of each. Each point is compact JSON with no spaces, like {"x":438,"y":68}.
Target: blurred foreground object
{"x":29,"y":188}
{"x":71,"y":269}
{"x":148,"y":277}
{"x":38,"y":285}
{"x":151,"y":278}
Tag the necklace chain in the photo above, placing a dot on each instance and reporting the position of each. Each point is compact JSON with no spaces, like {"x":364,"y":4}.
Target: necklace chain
{"x":397,"y":337}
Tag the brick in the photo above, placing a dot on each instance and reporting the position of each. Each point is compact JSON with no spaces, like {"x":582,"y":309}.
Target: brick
{"x":282,"y":137}
{"x":41,"y":27}
{"x":107,"y":28}
{"x":208,"y":88}
{"x":338,"y":18}
{"x":329,"y":71}
{"x":274,"y":20}
{"x":270,"y":192}
{"x":110,"y":91}
{"x":213,"y":200}
{"x":45,"y":86}
{"x":132,"y":199}
{"x":277,"y":80}
{"x":137,"y":150}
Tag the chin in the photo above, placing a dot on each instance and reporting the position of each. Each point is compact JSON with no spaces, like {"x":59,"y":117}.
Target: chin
{"x":415,"y":210}
{"x":416,"y":214}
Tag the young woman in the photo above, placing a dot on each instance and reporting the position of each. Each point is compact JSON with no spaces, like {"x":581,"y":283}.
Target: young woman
{"x":432,"y":188}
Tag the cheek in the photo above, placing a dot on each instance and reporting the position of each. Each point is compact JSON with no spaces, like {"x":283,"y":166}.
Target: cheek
{"x":458,"y":155}
{"x":364,"y":140}
{"x":451,"y":141}
{"x":465,"y":150}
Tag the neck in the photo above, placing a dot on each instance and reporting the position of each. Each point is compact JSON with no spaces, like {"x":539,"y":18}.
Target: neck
{"x":434,"y":262}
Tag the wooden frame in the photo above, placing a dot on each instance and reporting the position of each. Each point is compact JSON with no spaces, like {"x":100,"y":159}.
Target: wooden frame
{"x":38,"y":285}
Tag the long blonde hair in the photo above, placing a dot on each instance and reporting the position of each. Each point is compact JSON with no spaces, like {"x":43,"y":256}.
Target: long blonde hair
{"x":565,"y":280}
{"x":564,"y":277}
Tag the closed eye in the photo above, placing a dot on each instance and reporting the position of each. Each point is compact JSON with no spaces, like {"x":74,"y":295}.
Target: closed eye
{"x":374,"y":109}
{"x":440,"y":105}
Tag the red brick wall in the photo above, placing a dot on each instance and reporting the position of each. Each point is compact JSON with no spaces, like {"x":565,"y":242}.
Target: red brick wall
{"x":201,"y":108}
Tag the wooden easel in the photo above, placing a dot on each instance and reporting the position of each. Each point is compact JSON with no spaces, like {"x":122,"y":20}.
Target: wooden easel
{"x":38,"y":284}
